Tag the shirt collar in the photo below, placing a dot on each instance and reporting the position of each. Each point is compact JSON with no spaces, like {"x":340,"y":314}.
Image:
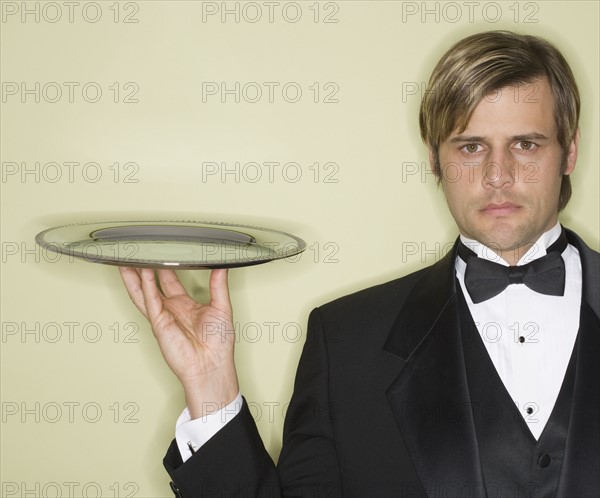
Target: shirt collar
{"x":537,"y":250}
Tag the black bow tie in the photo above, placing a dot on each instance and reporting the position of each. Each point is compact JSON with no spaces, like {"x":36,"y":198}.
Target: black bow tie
{"x":485,"y":279}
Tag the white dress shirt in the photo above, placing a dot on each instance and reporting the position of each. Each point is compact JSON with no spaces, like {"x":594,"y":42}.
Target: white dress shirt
{"x":529,"y":338}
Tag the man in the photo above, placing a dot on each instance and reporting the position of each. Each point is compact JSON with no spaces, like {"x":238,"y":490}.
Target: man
{"x":402,"y":390}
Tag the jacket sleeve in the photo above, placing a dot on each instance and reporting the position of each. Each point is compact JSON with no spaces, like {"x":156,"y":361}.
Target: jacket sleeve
{"x":235,"y":463}
{"x":308,"y":464}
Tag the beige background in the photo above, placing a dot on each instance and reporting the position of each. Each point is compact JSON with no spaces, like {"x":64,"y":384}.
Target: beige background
{"x":86,"y":398}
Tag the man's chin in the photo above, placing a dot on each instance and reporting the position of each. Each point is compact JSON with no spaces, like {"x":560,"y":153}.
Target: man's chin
{"x":503,"y":235}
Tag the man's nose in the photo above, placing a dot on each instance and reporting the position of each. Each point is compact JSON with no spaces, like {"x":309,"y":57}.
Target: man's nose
{"x":499,"y":170}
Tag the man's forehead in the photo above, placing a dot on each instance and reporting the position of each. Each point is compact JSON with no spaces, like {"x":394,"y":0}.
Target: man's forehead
{"x":520,"y":109}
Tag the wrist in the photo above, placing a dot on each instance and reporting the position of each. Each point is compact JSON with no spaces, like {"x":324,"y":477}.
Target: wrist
{"x":206,"y":397}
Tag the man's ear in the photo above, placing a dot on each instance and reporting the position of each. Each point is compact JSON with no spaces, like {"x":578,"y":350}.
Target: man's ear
{"x":433,"y":164}
{"x":572,"y":154}
{"x":432,"y":160}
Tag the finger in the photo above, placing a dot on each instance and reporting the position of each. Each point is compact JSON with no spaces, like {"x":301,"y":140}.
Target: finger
{"x":131,"y":279}
{"x":170,"y":284}
{"x":152,"y":296}
{"x":219,"y":290}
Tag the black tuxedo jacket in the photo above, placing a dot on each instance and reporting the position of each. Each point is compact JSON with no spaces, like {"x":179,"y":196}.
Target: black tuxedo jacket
{"x":381,"y":405}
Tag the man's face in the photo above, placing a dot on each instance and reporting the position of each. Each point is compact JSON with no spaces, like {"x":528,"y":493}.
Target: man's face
{"x":501,"y":176}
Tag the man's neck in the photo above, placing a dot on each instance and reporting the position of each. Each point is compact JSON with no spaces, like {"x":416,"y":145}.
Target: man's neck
{"x":512,"y":256}
{"x":518,"y":255}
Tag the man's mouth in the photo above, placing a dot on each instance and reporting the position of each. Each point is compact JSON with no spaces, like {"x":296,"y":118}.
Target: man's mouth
{"x":500,"y":209}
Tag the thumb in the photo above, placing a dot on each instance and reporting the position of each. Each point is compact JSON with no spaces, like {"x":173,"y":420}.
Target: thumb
{"x":219,"y":290}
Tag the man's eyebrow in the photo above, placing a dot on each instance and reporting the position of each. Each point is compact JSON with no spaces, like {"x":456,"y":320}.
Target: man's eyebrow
{"x":529,"y":137}
{"x":464,"y":138}
{"x":515,"y":138}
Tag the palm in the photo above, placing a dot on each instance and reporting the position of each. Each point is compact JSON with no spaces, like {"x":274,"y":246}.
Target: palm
{"x":194,"y":338}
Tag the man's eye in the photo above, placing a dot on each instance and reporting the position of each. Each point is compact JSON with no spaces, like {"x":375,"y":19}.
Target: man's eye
{"x":471,"y":148}
{"x":525,"y":145}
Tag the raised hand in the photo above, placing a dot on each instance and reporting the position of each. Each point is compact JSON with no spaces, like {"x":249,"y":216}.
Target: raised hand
{"x":196,"y":339}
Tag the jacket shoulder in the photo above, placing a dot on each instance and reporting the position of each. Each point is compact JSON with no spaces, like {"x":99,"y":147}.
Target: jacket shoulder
{"x":371,"y":311}
{"x":395,"y":290}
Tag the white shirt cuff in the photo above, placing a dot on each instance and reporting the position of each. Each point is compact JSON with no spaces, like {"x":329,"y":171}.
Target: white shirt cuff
{"x":195,"y":433}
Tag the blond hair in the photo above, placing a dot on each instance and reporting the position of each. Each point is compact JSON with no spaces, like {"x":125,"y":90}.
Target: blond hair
{"x":481,"y":64}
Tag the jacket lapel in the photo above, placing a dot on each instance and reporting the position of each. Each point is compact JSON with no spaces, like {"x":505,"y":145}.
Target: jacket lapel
{"x":579,"y":474}
{"x":430,"y":397}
